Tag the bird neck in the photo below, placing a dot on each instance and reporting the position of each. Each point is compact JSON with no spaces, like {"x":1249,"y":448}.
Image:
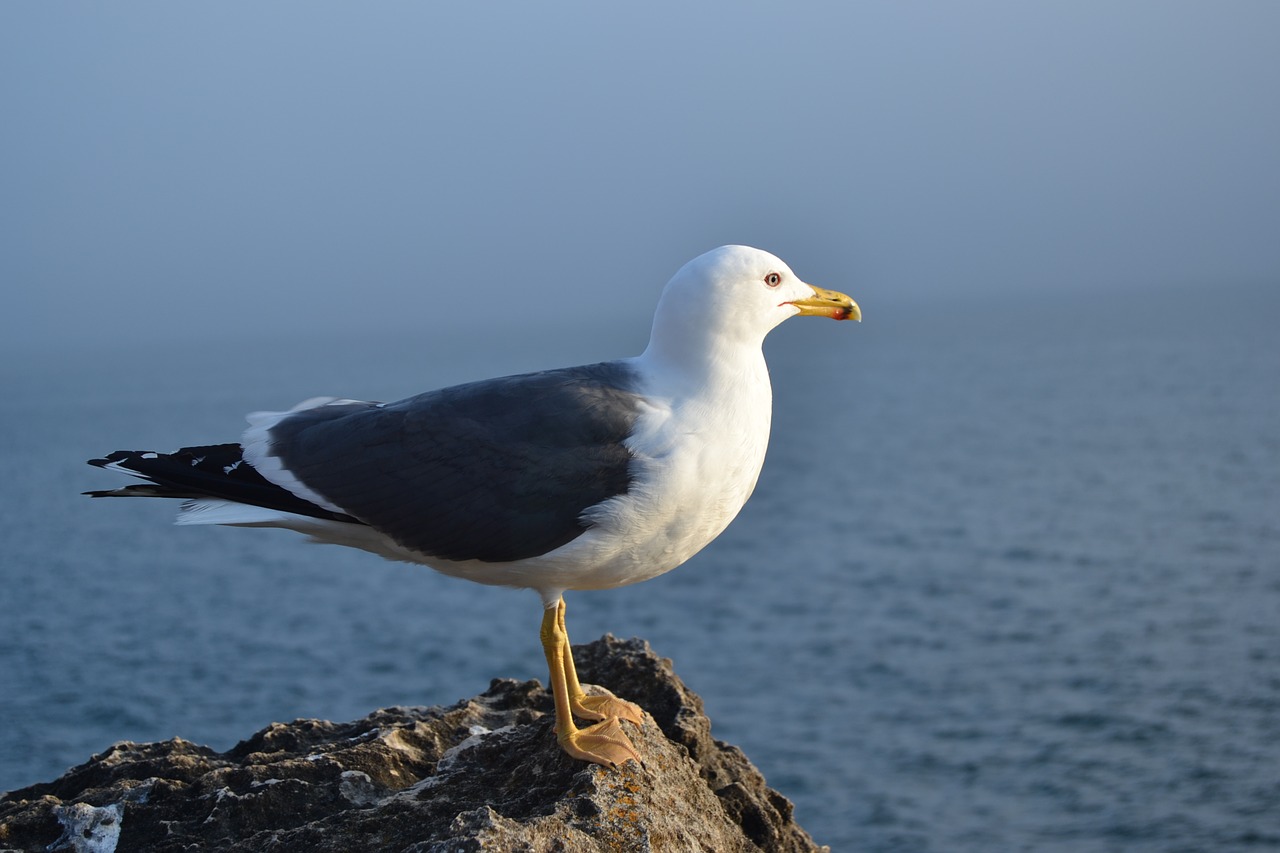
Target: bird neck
{"x":715,"y":364}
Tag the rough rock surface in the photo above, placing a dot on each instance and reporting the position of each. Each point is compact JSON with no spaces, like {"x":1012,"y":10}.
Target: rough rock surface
{"x":482,"y":775}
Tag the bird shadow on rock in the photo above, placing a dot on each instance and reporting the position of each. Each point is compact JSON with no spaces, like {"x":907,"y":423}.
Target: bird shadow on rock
{"x":483,"y":774}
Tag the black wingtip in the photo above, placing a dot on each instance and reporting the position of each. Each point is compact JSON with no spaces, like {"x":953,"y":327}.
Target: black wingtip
{"x":117,"y":456}
{"x":209,"y":471}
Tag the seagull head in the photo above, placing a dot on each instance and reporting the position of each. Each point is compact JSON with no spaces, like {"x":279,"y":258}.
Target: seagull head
{"x":737,"y":294}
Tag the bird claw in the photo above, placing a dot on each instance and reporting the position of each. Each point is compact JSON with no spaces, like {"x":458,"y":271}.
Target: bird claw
{"x":603,"y":743}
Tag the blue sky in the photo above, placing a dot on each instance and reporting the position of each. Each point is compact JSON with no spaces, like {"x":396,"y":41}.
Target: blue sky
{"x":181,"y":170}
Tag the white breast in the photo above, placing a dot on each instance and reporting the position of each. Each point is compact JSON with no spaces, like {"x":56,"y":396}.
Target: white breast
{"x":697,"y":457}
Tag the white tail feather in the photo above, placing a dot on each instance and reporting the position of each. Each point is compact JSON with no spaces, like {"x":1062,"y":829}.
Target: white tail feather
{"x":216,"y":511}
{"x":323,"y":530}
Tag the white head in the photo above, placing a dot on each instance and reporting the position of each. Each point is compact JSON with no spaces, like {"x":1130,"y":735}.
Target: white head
{"x":734,"y":296}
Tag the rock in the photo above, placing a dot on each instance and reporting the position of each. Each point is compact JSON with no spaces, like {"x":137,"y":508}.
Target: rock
{"x":482,"y":775}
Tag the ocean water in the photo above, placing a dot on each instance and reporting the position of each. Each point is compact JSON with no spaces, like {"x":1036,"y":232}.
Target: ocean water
{"x":1010,"y":579}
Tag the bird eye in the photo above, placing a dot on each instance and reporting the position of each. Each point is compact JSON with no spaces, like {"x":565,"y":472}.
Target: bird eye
{"x":773,"y":279}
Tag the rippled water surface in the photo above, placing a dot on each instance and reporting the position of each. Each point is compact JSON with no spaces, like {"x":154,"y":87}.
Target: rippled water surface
{"x":1010,"y":580}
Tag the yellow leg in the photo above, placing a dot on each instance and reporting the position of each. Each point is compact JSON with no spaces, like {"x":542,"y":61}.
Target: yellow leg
{"x":604,"y":743}
{"x":592,"y":707}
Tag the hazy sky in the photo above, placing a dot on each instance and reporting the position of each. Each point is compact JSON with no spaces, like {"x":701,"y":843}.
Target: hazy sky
{"x":198,"y":169}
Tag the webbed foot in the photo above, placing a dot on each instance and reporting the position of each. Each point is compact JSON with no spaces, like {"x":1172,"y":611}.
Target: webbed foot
{"x":603,"y":743}
{"x":607,"y":708}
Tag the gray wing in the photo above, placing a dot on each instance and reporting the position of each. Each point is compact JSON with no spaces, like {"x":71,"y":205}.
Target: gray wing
{"x":497,"y":470}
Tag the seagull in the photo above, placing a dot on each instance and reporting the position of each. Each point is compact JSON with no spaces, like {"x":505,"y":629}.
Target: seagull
{"x":579,"y":478}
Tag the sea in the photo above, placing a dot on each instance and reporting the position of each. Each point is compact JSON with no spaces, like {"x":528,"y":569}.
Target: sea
{"x":1010,"y":579}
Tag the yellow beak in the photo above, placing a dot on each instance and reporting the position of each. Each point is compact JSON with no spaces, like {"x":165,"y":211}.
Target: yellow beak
{"x":828,"y":303}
